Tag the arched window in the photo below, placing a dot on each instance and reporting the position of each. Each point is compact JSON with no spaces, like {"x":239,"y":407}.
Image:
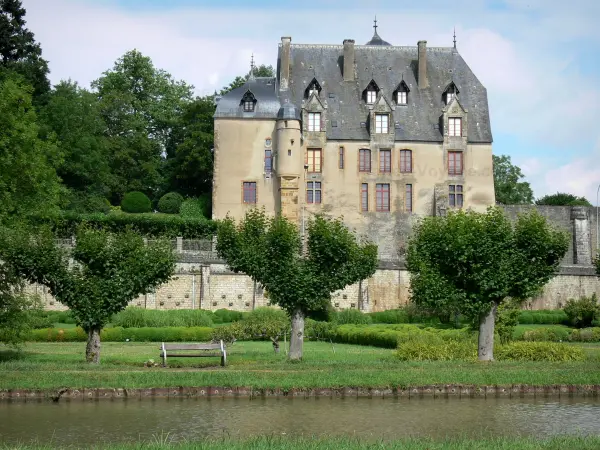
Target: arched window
{"x":248,"y":102}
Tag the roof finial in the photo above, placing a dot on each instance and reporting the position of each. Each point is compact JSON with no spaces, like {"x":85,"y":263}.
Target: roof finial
{"x":375,"y":24}
{"x":454,"y":37}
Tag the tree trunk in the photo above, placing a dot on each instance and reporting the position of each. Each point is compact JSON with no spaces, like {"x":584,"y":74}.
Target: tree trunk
{"x":275,"y":345}
{"x":297,"y":337}
{"x":487,"y":322}
{"x":92,"y":349}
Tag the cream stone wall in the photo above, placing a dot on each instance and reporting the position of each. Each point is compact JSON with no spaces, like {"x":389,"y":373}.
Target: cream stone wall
{"x":239,"y":156}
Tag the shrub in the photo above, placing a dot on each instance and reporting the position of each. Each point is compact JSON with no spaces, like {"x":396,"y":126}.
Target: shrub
{"x":136,"y":202}
{"x":318,"y":330}
{"x":65,"y":224}
{"x":352,"y":316}
{"x":543,"y":316}
{"x":585,"y":335}
{"x":227,"y":316}
{"x":418,"y":349}
{"x":581,"y":313}
{"x":506,"y":321}
{"x":170,"y":203}
{"x":390,"y":316}
{"x":538,"y":351}
{"x":229,"y":333}
{"x":119,"y":334}
{"x":546,"y":334}
{"x":197,"y":207}
{"x":132,"y":317}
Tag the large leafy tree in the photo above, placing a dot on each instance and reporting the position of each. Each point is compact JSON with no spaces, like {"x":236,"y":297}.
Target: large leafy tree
{"x":142,"y":107}
{"x":562,"y":199}
{"x":28,"y":180}
{"x":19,"y":51}
{"x":270,"y":251}
{"x":473,"y":262}
{"x":107,"y":271}
{"x":73,"y":115}
{"x":509,"y":190}
{"x":190,"y":169}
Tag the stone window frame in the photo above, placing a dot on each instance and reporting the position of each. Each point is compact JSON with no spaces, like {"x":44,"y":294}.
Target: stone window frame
{"x":314,"y":124}
{"x":363,"y":161}
{"x":409,"y":199}
{"x":249,"y":186}
{"x":379,"y":125}
{"x":383,"y":197}
{"x":454,"y":168}
{"x":403,"y":152}
{"x":386,"y":167}
{"x":269,"y":166}
{"x":312,"y":165}
{"x":456,"y":192}
{"x":364,"y":197}
{"x":341,"y":158}
{"x":453,"y":128}
{"x":311,"y":187}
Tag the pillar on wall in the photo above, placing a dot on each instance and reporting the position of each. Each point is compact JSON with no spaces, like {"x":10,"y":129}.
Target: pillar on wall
{"x":440,"y":200}
{"x":582,"y":251}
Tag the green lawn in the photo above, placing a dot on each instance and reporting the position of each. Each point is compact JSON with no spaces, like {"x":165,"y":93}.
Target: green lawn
{"x":253,"y":364}
{"x":284,"y":443}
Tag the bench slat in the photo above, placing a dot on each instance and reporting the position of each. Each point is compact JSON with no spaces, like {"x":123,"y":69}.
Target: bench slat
{"x":190,"y":355}
{"x":192,"y":347}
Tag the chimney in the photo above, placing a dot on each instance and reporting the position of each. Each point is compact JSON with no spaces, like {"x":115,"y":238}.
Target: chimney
{"x":348,"y":59}
{"x":284,"y":76}
{"x":422,"y":75}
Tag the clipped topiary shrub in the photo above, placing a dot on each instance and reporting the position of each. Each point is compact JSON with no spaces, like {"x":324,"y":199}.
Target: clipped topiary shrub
{"x":119,"y":334}
{"x":585,"y":335}
{"x":543,"y":316}
{"x":170,"y":203}
{"x":196,"y":207}
{"x":136,"y":202}
{"x":227,"y":316}
{"x":538,"y":351}
{"x":390,"y":316}
{"x":547,"y":334}
{"x":132,"y":317}
{"x":417,"y":349}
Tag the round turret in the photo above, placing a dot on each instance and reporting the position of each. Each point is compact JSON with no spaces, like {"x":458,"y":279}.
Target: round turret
{"x":290,"y":157}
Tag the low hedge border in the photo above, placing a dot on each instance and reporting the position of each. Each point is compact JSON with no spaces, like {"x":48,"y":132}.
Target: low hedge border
{"x":119,"y":334}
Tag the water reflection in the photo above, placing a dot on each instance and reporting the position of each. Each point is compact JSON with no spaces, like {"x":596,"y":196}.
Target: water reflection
{"x":104,"y":421}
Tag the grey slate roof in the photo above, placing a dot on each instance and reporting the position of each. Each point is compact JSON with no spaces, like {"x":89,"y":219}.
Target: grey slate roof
{"x":376,"y":40}
{"x":387,"y":65}
{"x":267,"y":102}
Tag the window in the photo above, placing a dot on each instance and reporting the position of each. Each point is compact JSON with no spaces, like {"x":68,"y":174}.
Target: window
{"x":268,"y":142}
{"x":313,"y":90}
{"x":382,"y":197}
{"x":385,"y":160}
{"x":249,"y":192}
{"x":313,"y":192}
{"x":382,"y":123}
{"x":364,"y":160}
{"x":405,"y":161}
{"x":313,"y":159}
{"x":364,"y":197}
{"x":449,"y":97}
{"x":371,"y":96}
{"x":341,"y":158}
{"x":408,"y":198}
{"x":268,"y":161}
{"x":455,"y":196}
{"x":248,"y":102}
{"x":455,"y":163}
{"x":454,"y":126}
{"x":314,"y":121}
{"x":402,"y":97}
{"x":450,"y":93}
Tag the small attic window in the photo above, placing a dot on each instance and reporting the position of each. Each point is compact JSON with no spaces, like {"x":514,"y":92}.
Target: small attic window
{"x":248,"y":102}
{"x":370,"y":93}
{"x":449,"y":94}
{"x":313,"y":88}
{"x":402,"y":93}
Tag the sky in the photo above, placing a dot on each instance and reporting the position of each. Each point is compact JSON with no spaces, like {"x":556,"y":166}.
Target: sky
{"x":538,"y":59}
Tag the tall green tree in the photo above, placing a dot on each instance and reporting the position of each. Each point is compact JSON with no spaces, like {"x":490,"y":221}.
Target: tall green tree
{"x":72,"y":114}
{"x":562,"y":199}
{"x":28,"y":179}
{"x":109,"y":271}
{"x":270,"y":251}
{"x":190,"y":170}
{"x":474,"y":262}
{"x":19,"y":51}
{"x":509,"y":190}
{"x":142,"y":107}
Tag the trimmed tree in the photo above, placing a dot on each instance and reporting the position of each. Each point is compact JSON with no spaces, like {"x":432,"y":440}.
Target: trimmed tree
{"x":136,"y":202}
{"x":270,"y":251}
{"x":98,"y":278}
{"x":475,"y":261}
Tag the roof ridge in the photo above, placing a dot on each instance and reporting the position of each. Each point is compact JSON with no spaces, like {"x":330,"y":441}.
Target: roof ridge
{"x":383,"y":47}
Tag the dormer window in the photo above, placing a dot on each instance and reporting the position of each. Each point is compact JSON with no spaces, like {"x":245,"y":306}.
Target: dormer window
{"x":370,"y":93}
{"x":313,"y":88}
{"x":450,"y":92}
{"x":248,"y":102}
{"x":402,"y":93}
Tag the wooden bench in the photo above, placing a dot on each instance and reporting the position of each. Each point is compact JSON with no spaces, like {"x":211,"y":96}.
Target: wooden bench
{"x":202,"y":350}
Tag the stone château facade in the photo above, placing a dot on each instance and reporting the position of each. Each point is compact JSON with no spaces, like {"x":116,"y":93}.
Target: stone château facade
{"x":376,"y":133}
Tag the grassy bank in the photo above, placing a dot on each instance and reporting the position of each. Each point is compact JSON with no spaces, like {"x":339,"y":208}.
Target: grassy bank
{"x":253,"y":364}
{"x":282,"y":443}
